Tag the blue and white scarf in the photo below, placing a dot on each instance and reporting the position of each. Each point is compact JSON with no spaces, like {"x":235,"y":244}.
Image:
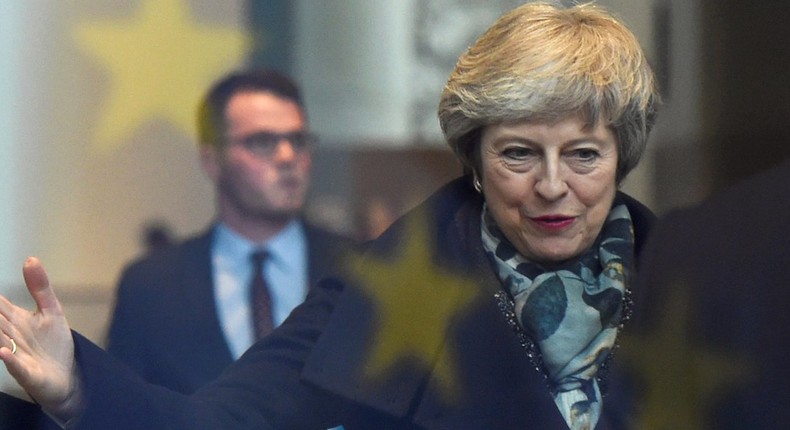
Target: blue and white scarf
{"x":573,"y":312}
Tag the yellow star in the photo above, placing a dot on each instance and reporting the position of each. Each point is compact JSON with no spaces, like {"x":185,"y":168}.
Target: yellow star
{"x":161,"y":61}
{"x":681,"y":376}
{"x":417,"y":302}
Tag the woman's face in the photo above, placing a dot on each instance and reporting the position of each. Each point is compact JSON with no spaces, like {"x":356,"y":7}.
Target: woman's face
{"x":549,"y":185}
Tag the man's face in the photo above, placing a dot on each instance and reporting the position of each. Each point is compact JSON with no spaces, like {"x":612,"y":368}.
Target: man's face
{"x":263,"y":171}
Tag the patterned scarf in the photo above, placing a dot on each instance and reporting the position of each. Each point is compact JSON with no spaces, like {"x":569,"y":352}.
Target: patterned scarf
{"x":573,"y":312}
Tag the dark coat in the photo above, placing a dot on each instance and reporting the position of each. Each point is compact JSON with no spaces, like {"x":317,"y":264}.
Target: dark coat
{"x":165,"y":323}
{"x":411,"y":337}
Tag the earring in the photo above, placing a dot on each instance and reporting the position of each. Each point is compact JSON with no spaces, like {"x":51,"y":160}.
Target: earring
{"x":476,"y":183}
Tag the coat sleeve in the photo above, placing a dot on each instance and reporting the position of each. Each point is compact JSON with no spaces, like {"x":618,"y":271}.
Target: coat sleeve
{"x":262,"y":390}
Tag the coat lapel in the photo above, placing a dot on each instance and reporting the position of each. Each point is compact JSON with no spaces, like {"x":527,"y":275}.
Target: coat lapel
{"x":499,"y":385}
{"x":199,"y":303}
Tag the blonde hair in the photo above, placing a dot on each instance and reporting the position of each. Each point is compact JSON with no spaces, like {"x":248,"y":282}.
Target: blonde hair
{"x":541,"y":61}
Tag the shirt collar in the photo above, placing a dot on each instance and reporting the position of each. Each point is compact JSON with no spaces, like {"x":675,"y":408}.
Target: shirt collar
{"x":283,"y":247}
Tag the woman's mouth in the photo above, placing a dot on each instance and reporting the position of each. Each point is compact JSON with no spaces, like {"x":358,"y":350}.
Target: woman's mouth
{"x":553,"y":222}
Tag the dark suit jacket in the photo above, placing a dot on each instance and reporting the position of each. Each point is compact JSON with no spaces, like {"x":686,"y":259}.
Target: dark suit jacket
{"x":410,"y":337}
{"x":165,"y":324}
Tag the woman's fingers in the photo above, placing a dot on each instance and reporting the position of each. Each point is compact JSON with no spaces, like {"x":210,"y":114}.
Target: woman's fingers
{"x":11,"y":341}
{"x":44,"y":360}
{"x":37,"y":283}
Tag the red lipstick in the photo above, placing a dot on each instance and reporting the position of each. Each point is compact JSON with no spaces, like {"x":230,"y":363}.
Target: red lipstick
{"x":553,"y":222}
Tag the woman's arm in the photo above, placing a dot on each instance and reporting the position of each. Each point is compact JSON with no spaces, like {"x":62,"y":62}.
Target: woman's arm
{"x":43,"y":360}
{"x":75,"y":381}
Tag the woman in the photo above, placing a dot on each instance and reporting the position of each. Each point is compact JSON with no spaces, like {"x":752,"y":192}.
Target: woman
{"x":493,"y":305}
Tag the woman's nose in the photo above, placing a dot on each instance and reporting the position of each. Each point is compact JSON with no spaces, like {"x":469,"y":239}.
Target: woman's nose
{"x":551,"y":184}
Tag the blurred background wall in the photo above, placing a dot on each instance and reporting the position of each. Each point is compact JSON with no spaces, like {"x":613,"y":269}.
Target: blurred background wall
{"x":97,"y":101}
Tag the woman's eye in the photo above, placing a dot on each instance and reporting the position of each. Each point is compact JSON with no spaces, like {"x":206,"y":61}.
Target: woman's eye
{"x":517,"y":153}
{"x":586,"y":154}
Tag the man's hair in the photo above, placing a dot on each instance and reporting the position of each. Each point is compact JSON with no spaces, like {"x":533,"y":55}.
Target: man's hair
{"x":211,"y":110}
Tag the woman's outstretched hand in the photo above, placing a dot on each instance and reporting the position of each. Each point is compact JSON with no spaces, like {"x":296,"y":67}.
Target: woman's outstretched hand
{"x":37,"y":347}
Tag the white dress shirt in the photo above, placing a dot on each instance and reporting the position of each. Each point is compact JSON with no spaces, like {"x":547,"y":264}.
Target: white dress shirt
{"x":286,"y":274}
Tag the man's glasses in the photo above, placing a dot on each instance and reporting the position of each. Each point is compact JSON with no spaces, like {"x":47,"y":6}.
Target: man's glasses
{"x":264,"y":144}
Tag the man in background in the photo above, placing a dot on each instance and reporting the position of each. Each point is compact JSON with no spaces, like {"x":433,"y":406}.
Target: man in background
{"x":186,"y":312}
